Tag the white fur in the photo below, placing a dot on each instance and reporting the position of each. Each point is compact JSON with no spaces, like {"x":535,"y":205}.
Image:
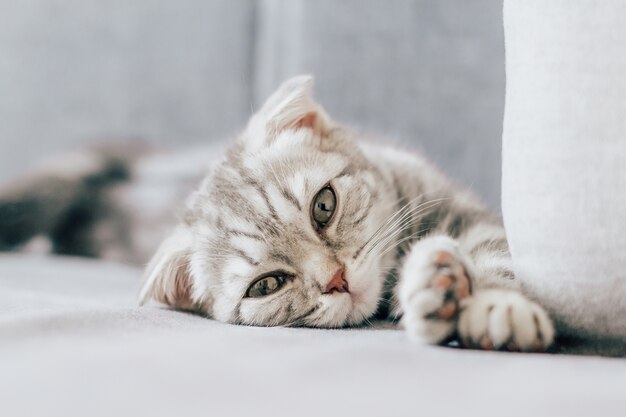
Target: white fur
{"x":501,"y":316}
{"x":505,"y":316}
{"x":417,"y":299}
{"x":158,"y":274}
{"x":290,"y":159}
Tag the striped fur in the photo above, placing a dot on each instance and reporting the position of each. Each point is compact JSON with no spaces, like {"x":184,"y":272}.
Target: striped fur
{"x":252,"y":215}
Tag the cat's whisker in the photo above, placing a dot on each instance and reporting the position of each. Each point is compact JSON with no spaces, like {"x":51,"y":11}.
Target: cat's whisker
{"x":386,"y":238}
{"x":398,"y":232}
{"x":408,"y":203}
{"x":369,"y":323}
{"x":401,"y":241}
{"x":382,"y":245}
{"x":385,"y":301}
{"x":271,"y":166}
{"x":388,"y":225}
{"x":393,"y":216}
{"x":397,"y":212}
{"x":404,"y":213}
{"x":382,"y":248}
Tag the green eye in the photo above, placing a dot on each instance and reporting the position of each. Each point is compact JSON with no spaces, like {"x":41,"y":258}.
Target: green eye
{"x":265,"y":285}
{"x":323,"y":207}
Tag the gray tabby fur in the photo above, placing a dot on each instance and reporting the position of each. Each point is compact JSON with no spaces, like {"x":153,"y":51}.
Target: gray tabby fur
{"x":396,"y":214}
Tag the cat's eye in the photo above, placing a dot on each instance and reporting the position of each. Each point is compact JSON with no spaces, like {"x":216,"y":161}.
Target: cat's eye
{"x":324,"y":205}
{"x":266,"y":284}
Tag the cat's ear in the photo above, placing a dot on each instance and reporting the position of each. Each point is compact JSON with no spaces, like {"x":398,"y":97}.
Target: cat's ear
{"x":290,"y":107}
{"x":167,"y":277}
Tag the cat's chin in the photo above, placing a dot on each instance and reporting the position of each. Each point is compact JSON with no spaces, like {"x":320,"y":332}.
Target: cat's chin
{"x":344,"y":310}
{"x":335,"y":310}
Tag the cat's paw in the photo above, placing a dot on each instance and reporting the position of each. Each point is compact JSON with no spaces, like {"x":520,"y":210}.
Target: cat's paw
{"x":435,"y":280}
{"x":504,"y":320}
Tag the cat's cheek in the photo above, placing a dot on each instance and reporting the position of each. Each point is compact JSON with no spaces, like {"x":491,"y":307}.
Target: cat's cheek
{"x":364,"y":304}
{"x":263,"y":311}
{"x":368,"y":283}
{"x":255,"y":312}
{"x":223,"y":312}
{"x":227,"y":307}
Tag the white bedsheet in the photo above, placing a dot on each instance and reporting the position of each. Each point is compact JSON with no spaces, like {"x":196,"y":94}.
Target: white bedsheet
{"x":73,"y":343}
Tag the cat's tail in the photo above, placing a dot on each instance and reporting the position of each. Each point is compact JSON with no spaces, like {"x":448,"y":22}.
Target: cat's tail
{"x":61,"y":195}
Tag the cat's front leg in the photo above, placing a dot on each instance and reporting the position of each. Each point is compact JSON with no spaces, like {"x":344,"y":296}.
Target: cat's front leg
{"x":441,"y":299}
{"x":435,"y":281}
{"x":504,"y":320}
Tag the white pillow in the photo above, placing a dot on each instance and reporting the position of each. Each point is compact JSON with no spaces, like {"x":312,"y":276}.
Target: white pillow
{"x":564,"y":158}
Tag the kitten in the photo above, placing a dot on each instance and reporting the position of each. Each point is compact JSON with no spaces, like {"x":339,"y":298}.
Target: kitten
{"x":301,"y":223}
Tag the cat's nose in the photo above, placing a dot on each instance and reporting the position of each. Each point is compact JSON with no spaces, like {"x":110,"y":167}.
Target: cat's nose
{"x":338,"y":282}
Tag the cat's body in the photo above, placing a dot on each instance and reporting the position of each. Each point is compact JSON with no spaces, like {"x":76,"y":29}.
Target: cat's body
{"x":302,"y":223}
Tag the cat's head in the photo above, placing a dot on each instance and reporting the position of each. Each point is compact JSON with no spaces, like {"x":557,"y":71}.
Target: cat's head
{"x":280,"y":232}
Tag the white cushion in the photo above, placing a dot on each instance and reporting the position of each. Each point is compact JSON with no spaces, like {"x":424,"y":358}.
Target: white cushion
{"x":564,"y":158}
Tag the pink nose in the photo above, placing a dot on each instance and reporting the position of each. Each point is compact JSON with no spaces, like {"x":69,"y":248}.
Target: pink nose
{"x":338,"y":282}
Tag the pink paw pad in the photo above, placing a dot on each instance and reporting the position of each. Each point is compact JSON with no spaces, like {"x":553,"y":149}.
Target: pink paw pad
{"x":451,"y":278}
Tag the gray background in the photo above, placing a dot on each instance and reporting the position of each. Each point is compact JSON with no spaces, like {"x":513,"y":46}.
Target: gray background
{"x":428,"y":74}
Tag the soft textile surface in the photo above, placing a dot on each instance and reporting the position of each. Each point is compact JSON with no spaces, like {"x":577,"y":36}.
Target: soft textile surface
{"x":73,"y":343}
{"x":564,"y":167}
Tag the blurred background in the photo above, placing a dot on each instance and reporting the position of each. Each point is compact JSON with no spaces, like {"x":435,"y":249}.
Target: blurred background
{"x":427,"y":74}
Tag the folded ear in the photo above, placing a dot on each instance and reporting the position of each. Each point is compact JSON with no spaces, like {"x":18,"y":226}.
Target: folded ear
{"x":167,"y":277}
{"x":290,"y":107}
